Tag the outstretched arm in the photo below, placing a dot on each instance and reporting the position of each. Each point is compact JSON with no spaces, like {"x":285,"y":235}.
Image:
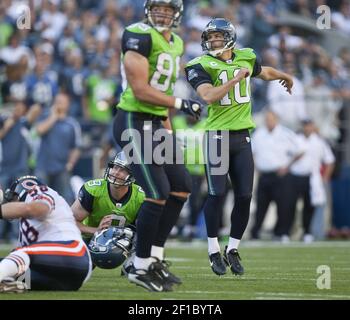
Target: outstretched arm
{"x":15,"y":210}
{"x":211,"y":94}
{"x":269,"y":74}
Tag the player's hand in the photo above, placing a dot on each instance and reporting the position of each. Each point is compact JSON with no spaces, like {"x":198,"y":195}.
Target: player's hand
{"x":287,"y":82}
{"x":190,"y":107}
{"x":105,"y":222}
{"x":242,"y":73}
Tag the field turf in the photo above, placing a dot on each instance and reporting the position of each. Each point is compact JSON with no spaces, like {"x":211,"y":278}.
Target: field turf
{"x":273,"y":271}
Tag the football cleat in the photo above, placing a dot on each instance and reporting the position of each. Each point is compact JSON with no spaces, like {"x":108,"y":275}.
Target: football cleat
{"x":148,"y":279}
{"x":217,"y":264}
{"x":232,"y":259}
{"x":124,"y":271}
{"x":162,"y":269}
{"x":7,"y":286}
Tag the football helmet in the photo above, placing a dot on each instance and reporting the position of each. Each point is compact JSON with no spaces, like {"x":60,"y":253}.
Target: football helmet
{"x":123,"y":177}
{"x":110,"y":247}
{"x":20,"y":187}
{"x":178,"y":7}
{"x":226,"y":28}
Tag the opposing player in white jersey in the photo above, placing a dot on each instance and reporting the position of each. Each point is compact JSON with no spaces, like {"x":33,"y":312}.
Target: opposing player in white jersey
{"x":51,"y":250}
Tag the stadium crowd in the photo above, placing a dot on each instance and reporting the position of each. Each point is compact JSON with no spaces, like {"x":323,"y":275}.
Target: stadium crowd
{"x":61,"y":78}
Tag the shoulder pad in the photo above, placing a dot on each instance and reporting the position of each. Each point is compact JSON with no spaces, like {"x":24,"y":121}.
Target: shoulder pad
{"x":139,"y":27}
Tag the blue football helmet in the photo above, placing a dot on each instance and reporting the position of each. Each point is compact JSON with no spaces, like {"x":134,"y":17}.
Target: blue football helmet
{"x":20,"y":187}
{"x":226,"y":28}
{"x":121,"y":162}
{"x":110,"y":247}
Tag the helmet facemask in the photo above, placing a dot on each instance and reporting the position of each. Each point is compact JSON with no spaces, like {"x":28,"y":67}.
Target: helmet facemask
{"x":174,"y":18}
{"x":228,"y":31}
{"x":19,"y":189}
{"x":118,"y":175}
{"x":228,"y":43}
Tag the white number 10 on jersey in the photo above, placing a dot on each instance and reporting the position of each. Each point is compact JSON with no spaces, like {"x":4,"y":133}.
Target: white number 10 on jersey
{"x":237,"y":96}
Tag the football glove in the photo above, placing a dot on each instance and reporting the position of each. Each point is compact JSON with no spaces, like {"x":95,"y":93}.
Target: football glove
{"x":191,"y":107}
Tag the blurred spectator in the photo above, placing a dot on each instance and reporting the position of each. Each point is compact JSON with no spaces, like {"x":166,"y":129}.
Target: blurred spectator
{"x":6,"y":28}
{"x":102,"y":91}
{"x":341,"y":18}
{"x":263,"y":24}
{"x":193,"y":44}
{"x":301,"y":7}
{"x":307,"y":182}
{"x":59,"y":147}
{"x":15,"y":137}
{"x":290,"y":108}
{"x":275,"y":149}
{"x":40,"y":87}
{"x":15,"y":151}
{"x":15,"y":52}
{"x":51,"y":20}
{"x":284,"y":40}
{"x":322,"y":107}
{"x":73,"y":78}
{"x":14,"y":87}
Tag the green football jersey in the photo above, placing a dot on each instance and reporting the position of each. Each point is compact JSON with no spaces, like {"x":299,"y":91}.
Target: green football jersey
{"x":102,"y":205}
{"x":100,"y":90}
{"x":234,"y":110}
{"x":164,"y":65}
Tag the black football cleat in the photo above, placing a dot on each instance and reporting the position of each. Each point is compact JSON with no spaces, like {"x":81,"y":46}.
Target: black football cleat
{"x":148,"y":279}
{"x":217,"y":263}
{"x":162,"y":269}
{"x":232,"y":259}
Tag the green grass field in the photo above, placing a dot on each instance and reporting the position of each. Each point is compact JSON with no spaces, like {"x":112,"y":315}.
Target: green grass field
{"x":273,"y":271}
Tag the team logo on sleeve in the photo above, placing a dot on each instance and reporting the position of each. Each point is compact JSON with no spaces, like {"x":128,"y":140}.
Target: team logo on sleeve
{"x":192,"y":74}
{"x":133,"y":43}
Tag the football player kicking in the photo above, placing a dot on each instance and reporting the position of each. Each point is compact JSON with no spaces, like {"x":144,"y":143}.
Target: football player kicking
{"x":221,"y":77}
{"x":151,"y":56}
{"x":52,"y":255}
{"x":112,"y":201}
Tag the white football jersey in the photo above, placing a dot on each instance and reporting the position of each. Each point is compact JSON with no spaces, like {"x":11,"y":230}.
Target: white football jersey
{"x":58,"y":225}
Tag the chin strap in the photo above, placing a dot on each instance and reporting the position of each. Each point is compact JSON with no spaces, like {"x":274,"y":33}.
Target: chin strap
{"x":229,"y":45}
{"x":159,"y":28}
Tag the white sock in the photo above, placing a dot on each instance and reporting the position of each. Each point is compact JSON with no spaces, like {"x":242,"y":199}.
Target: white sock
{"x":157,"y":252}
{"x":142,"y":263}
{"x":233,"y":244}
{"x":14,"y":265}
{"x":213,"y":245}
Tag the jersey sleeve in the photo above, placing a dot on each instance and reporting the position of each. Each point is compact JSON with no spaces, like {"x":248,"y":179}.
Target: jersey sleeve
{"x":138,"y":42}
{"x":196,"y":75}
{"x":86,"y":199}
{"x":40,"y":194}
{"x":257,"y":66}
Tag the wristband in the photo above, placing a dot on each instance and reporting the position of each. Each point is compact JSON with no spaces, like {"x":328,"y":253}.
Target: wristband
{"x":178,"y":103}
